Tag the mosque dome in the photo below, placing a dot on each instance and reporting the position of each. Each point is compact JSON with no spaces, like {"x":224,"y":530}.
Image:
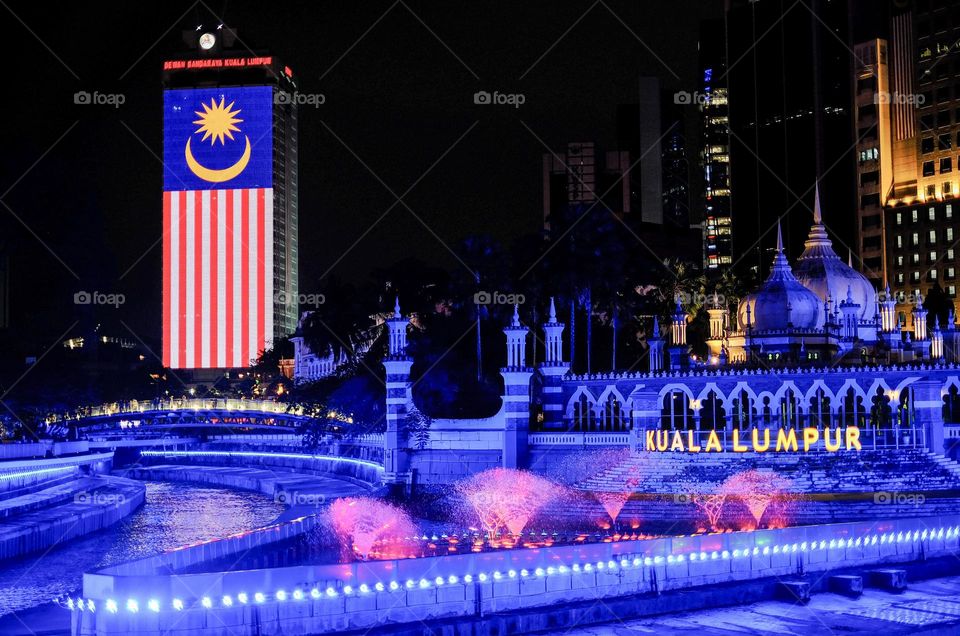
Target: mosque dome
{"x":781,"y":302}
{"x":821,"y":271}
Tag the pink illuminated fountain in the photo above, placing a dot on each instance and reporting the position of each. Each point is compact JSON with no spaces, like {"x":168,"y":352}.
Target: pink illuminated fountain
{"x":757,"y":490}
{"x":363,"y":523}
{"x":505,"y":499}
{"x":709,"y":500}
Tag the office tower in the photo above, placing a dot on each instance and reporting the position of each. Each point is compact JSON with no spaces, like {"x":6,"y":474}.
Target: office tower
{"x":229,"y":204}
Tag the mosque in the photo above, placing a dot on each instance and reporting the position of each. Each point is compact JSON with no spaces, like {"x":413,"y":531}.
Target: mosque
{"x":822,"y":312}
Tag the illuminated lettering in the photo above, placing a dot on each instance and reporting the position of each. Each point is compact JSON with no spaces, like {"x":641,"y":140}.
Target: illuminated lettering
{"x":692,"y":446}
{"x":828,"y":441}
{"x":756,"y":440}
{"x":662,"y":439}
{"x":713,"y":442}
{"x":810,"y":437}
{"x":650,"y":443}
{"x":677,"y":444}
{"x":786,"y":438}
{"x":737,"y":446}
{"x":853,"y":437}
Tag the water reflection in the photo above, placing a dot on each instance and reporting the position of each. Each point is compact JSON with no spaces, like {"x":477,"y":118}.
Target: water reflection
{"x":174,"y":514}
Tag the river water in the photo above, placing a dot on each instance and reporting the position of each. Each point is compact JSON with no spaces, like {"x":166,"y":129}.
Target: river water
{"x":174,"y":514}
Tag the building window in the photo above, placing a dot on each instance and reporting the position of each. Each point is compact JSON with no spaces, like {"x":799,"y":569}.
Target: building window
{"x":931,"y":191}
{"x":932,"y":255}
{"x":926,"y":144}
{"x":948,"y":211}
{"x":947,"y":187}
{"x":949,"y":233}
{"x":932,"y":236}
{"x":951,"y":290}
{"x":946,"y":165}
{"x":899,"y":218}
{"x":915,"y":277}
{"x":951,"y":272}
{"x":928,"y":169}
{"x":900,"y":261}
{"x":899,"y":240}
{"x":943,"y":141}
{"x":916,"y":258}
{"x":950,"y":254}
{"x":916,"y":238}
{"x":932,"y":213}
{"x":933,"y":274}
{"x":900,"y":278}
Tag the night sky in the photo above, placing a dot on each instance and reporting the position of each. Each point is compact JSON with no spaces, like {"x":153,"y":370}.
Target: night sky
{"x":398,"y":80}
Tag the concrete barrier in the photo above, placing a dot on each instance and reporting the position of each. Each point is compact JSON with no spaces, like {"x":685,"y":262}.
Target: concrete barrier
{"x":321,"y":599}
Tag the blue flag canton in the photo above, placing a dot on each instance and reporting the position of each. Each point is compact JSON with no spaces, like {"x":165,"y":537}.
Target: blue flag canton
{"x":218,"y":138}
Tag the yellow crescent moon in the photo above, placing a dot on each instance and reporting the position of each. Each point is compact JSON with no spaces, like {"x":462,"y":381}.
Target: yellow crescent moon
{"x":217,"y":176}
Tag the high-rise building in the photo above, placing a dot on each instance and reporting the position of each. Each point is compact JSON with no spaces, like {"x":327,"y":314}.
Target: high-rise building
{"x":578,"y":178}
{"x":908,"y":121}
{"x":229,"y":204}
{"x":789,"y":80}
{"x":712,"y":98}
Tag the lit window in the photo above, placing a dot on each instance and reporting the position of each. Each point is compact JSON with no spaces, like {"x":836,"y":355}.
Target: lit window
{"x":949,"y":233}
{"x":951,"y":290}
{"x":933,"y":255}
{"x":899,"y":240}
{"x":932,"y":236}
{"x":916,"y":257}
{"x":915,"y":216}
{"x":948,"y":211}
{"x":950,"y":254}
{"x":951,"y":272}
{"x":916,"y":238}
{"x":899,"y":261}
{"x":932,"y":213}
{"x":900,"y":278}
{"x":933,"y":274}
{"x":899,"y":218}
{"x":915,"y":277}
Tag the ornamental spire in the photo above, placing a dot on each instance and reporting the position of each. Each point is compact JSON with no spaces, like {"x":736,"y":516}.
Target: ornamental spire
{"x":817,"y":214}
{"x":553,"y":311}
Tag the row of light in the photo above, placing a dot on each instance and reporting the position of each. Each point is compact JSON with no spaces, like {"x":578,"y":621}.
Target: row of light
{"x":349,"y":460}
{"x":39,"y":471}
{"x":133,"y":606}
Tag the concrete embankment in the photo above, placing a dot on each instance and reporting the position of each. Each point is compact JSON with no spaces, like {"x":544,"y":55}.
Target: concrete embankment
{"x":44,"y":519}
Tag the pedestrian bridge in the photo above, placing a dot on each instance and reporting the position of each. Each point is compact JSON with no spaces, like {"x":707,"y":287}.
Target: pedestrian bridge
{"x":135,"y":416}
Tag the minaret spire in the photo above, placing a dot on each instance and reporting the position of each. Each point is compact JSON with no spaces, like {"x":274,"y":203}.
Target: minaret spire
{"x":553,"y":311}
{"x":779,"y":238}
{"x":817,"y":214}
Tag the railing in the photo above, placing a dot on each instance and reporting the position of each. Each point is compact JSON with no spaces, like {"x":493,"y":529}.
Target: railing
{"x":579,"y":439}
{"x":134,"y":407}
{"x":951,"y":431}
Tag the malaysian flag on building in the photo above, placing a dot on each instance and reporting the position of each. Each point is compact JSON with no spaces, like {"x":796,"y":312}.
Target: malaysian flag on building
{"x":218,"y":297}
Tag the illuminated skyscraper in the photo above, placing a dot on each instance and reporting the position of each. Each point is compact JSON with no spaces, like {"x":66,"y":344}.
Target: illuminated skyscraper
{"x":229,"y":205}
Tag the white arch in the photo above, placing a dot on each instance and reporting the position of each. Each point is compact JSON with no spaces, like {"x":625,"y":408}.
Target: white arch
{"x":575,"y":398}
{"x":819,"y":384}
{"x":712,"y":386}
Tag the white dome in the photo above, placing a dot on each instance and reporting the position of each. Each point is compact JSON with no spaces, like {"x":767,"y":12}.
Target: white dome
{"x":821,"y":271}
{"x":781,"y":302}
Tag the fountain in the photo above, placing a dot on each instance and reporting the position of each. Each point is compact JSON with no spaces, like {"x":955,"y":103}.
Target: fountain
{"x":506,"y":499}
{"x":709,"y":500}
{"x":361,"y":523}
{"x":755,"y":489}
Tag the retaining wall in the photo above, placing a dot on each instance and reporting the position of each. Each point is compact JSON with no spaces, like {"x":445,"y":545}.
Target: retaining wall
{"x":317,"y":599}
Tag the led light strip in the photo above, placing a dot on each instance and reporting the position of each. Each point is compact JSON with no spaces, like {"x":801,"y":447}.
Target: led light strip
{"x":31,"y":473}
{"x":133,"y":605}
{"x":349,"y":460}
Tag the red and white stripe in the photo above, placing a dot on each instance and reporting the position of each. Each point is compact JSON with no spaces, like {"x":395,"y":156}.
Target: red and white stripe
{"x":217,"y":277}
